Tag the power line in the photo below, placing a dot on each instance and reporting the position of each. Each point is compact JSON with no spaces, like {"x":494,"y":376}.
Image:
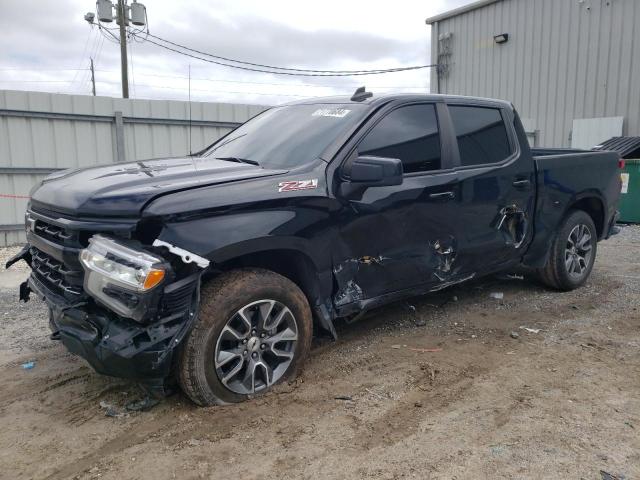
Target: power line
{"x":84,"y":51}
{"x":34,"y":81}
{"x":133,"y":80}
{"x":291,"y":73}
{"x":22,"y":69}
{"x":242,"y":62}
{"x":316,"y":85}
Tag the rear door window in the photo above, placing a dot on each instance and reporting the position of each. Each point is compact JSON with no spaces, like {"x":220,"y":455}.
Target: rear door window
{"x":481,"y":134}
{"x":409,"y":133}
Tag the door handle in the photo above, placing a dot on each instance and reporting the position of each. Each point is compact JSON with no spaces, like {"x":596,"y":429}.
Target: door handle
{"x":521,"y":183}
{"x":442,"y":196}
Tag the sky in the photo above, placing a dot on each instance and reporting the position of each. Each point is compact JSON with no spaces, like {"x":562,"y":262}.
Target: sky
{"x":46,"y":46}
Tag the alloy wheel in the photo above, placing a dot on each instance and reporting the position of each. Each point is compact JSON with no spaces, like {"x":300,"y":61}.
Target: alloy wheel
{"x":578,"y":251}
{"x":256,"y":346}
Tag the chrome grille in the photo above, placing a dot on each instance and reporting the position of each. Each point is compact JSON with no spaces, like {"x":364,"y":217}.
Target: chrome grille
{"x":53,"y":232}
{"x":55,"y":275}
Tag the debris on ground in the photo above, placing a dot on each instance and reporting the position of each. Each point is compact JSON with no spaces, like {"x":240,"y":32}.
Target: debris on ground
{"x":425,"y":367}
{"x":28,"y":365}
{"x":418,"y":404}
{"x":515,"y":335}
{"x":610,"y":476}
{"x":530,"y":330}
{"x":497,"y":449}
{"x":143,"y":405}
{"x":420,"y":322}
{"x":111,"y":410}
{"x":410,"y":307}
{"x":425,"y":350}
{"x":496,"y":295}
{"x":511,"y":276}
{"x":346,"y":398}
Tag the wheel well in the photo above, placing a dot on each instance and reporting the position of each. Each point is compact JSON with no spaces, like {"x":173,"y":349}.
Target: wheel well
{"x":291,"y":264}
{"x":592,"y":206}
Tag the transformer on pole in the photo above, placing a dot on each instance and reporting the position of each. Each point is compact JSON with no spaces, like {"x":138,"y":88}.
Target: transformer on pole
{"x":125,"y":15}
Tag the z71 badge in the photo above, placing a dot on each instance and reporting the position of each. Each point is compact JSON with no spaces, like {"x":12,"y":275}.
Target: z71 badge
{"x":294,"y":185}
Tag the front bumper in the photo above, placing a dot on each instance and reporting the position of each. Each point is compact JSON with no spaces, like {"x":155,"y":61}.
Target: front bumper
{"x":121,"y":347}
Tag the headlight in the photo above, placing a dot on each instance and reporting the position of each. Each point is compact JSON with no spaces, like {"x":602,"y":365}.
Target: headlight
{"x":119,"y":276}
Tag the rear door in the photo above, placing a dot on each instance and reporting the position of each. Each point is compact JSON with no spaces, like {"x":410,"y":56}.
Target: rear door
{"x":495,"y":191}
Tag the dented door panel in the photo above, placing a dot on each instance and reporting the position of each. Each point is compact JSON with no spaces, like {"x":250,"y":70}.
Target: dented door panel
{"x":495,"y":204}
{"x":395,"y":238}
{"x":495,"y":216}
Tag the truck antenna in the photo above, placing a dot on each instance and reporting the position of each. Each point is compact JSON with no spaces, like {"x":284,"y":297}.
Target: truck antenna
{"x":190,"y":124}
{"x":361,"y":94}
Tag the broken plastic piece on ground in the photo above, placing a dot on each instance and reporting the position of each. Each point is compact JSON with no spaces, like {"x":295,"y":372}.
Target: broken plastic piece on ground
{"x":511,"y":276}
{"x":28,"y":365}
{"x":497,"y":295}
{"x":425,"y":350}
{"x":530,"y":330}
{"x":610,"y":476}
{"x":515,"y":335}
{"x":110,"y":410}
{"x":147,"y":403}
{"x":347,"y":398}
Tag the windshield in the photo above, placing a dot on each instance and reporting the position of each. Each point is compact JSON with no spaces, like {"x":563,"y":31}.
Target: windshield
{"x":287,"y":137}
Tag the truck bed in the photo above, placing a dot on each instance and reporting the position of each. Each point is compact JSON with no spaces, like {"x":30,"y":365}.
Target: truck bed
{"x":563,"y":177}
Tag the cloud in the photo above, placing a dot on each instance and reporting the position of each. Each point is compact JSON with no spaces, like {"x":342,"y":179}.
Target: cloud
{"x":45,"y":41}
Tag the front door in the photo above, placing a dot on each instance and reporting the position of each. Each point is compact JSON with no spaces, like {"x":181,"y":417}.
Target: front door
{"x":393,"y":238}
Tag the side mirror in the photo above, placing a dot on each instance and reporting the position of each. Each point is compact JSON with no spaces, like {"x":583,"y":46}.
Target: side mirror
{"x":376,"y":171}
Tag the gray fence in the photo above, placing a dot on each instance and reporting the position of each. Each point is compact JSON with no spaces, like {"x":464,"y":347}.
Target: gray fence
{"x":44,"y":132}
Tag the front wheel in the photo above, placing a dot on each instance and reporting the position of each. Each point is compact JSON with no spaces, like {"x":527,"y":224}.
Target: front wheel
{"x":573,"y":253}
{"x":253,"y":330}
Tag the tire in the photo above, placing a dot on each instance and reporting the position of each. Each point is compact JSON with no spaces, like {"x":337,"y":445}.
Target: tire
{"x":250,"y":320}
{"x":572,"y":257}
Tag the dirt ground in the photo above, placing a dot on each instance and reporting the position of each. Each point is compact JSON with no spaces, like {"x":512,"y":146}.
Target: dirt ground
{"x":560,"y":403}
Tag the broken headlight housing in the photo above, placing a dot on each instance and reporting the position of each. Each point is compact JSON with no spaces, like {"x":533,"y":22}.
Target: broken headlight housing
{"x":121,"y":277}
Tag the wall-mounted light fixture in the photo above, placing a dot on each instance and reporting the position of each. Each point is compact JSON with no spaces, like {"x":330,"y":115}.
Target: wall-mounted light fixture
{"x":502,"y":38}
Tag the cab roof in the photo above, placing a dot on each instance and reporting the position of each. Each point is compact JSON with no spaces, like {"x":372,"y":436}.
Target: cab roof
{"x":378,"y":100}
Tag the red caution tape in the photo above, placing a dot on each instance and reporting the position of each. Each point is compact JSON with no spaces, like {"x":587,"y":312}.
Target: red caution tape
{"x":6,"y":195}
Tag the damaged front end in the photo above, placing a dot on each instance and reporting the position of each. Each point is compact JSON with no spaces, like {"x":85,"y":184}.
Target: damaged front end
{"x":122,"y":306}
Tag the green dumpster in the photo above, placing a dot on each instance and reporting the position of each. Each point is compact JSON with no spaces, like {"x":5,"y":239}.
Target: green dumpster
{"x":630,"y":198}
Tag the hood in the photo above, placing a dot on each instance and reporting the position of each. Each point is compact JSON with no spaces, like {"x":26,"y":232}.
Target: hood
{"x":123,"y":189}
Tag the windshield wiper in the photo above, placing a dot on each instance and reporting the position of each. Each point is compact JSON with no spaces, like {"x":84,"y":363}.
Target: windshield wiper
{"x":238,"y":160}
{"x":228,"y":140}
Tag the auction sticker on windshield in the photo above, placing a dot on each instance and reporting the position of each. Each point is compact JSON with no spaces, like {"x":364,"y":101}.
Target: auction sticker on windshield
{"x":294,"y":185}
{"x":331,"y":112}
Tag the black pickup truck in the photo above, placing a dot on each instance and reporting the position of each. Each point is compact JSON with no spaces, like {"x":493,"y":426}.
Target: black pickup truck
{"x":213,"y":270}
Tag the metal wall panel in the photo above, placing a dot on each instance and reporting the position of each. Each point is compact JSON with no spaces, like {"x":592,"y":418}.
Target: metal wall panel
{"x":565,"y":60}
{"x":589,"y":132}
{"x":53,"y":131}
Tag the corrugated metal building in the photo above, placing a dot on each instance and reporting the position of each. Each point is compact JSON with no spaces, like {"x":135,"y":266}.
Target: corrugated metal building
{"x":41,"y":132}
{"x":571,"y":67}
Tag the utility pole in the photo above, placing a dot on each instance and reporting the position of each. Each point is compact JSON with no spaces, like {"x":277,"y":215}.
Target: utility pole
{"x":93,"y":79}
{"x":122,"y":20}
{"x":135,"y":14}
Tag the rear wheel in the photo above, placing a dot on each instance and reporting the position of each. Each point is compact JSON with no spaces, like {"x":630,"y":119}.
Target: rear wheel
{"x":573,"y":253}
{"x":253,"y":330}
